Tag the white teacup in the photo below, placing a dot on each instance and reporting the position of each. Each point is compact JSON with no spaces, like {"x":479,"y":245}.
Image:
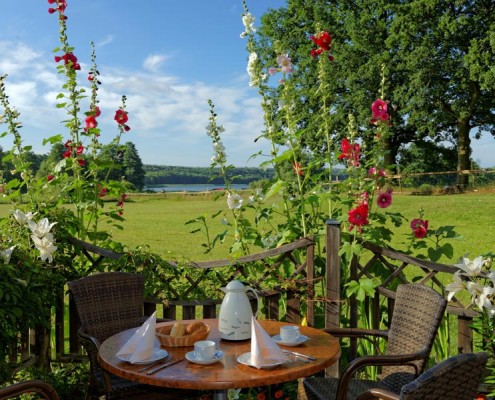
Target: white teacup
{"x":289,"y":333}
{"x":204,"y":349}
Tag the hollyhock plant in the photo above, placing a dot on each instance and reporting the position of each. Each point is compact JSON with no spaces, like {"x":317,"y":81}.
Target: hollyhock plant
{"x":384,"y":199}
{"x":323,"y":40}
{"x":297,"y":167}
{"x":419,"y":228}
{"x":379,"y":109}
{"x":358,"y":216}
{"x":350,"y":152}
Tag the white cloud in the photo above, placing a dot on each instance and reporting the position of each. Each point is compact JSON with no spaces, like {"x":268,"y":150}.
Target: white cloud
{"x":153,"y":62}
{"x":107,"y":40}
{"x":167,"y":116}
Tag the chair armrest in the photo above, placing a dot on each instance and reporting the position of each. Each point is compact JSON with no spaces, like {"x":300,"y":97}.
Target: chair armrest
{"x":378,"y":360}
{"x":372,"y":394}
{"x":89,"y":342}
{"x":356,"y":332}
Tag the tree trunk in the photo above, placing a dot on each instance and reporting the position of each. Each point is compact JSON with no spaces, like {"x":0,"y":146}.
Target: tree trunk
{"x":463,"y":152}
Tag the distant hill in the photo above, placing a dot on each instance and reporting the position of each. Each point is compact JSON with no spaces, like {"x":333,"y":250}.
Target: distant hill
{"x":170,"y":175}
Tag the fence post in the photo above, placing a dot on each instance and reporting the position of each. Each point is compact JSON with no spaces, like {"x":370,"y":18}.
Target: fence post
{"x":332,"y":304}
{"x":332,"y":297}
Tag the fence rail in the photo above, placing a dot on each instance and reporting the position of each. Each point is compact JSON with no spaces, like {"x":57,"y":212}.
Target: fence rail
{"x":293,"y":297}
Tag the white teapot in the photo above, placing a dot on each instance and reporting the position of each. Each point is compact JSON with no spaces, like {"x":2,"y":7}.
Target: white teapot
{"x":236,"y":312}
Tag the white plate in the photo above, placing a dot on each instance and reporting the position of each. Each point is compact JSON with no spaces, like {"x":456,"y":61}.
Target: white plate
{"x":158,"y":354}
{"x":192,"y":358}
{"x":300,"y":340}
{"x":246,"y":360}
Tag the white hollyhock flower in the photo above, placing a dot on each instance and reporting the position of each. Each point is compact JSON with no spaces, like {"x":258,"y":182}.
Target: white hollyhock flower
{"x":6,"y":254}
{"x":45,"y":246}
{"x":234,"y":201}
{"x":41,"y":228}
{"x":251,"y":69}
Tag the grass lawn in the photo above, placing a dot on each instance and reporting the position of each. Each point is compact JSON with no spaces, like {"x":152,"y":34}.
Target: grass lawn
{"x":158,"y":221}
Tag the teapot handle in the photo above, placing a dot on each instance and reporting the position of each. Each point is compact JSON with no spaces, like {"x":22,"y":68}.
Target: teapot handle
{"x":257,"y":301}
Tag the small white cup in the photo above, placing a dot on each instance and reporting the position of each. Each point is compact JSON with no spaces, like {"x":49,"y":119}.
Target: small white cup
{"x":204,"y":349}
{"x":289,"y":333}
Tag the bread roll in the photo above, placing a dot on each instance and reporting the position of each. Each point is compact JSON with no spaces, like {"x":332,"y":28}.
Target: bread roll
{"x":195,"y":327}
{"x":178,"y":330}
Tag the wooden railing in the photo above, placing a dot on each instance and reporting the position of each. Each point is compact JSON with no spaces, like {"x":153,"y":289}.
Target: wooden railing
{"x":291,"y":298}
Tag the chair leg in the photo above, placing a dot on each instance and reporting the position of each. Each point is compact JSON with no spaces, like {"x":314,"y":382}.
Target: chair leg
{"x":301,"y":392}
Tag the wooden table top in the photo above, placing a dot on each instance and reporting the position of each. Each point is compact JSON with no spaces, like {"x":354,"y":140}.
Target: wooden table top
{"x":227,"y":373}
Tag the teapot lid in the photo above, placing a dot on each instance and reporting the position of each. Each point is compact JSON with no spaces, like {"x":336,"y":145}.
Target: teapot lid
{"x":235,"y":285}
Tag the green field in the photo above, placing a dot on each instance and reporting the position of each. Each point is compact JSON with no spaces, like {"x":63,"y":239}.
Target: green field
{"x":158,"y":221}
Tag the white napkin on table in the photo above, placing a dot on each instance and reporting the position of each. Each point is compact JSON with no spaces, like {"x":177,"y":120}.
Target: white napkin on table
{"x":141,"y":345}
{"x":264,"y":350}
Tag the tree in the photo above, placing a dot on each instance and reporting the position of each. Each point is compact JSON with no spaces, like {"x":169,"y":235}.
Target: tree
{"x":435,"y":61}
{"x":445,"y":95}
{"x":133,"y":166}
{"x":122,"y":162}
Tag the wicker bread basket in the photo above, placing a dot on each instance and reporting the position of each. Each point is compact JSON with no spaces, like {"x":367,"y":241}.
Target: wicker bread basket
{"x":163,"y":335}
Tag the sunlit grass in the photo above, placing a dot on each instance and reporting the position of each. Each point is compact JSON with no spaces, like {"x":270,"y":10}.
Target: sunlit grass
{"x":159,"y":221}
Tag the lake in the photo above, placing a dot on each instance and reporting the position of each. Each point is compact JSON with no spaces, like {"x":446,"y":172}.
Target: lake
{"x":193,"y":188}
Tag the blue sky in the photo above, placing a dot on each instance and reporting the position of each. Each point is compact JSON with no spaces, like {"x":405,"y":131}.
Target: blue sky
{"x":168,"y":57}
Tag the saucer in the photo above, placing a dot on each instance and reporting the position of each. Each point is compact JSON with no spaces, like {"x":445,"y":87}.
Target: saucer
{"x":246,"y":360}
{"x":300,"y":340}
{"x":192,"y":358}
{"x":158,"y":354}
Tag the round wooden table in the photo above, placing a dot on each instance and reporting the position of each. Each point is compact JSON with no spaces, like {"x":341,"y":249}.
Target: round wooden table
{"x":227,"y":373}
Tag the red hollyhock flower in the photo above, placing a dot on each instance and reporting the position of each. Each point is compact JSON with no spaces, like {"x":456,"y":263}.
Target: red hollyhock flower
{"x":67,"y":154}
{"x":358,"y":216}
{"x":419,"y":228}
{"x":69,"y":59}
{"x":121,"y":117}
{"x":323,"y":40}
{"x":297,"y":168}
{"x":350,"y":152}
{"x":90,"y":122}
{"x":50,"y":177}
{"x":103,"y":192}
{"x":90,"y":77}
{"x":81,"y":162}
{"x":279,"y":394}
{"x":79,"y":150}
{"x":384,"y":200}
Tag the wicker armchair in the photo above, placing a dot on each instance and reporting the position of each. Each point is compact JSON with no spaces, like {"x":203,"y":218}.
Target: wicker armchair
{"x":40,"y":387}
{"x":417,"y":314}
{"x":108,"y":303}
{"x":456,"y":378}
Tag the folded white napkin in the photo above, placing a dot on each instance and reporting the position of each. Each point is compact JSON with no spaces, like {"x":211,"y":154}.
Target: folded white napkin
{"x":141,"y":345}
{"x":264,"y":350}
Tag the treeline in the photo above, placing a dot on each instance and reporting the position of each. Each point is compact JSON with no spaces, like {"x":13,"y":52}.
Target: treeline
{"x":164,"y":175}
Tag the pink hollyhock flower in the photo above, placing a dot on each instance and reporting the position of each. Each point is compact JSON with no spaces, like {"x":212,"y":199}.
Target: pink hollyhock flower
{"x":297,"y":168}
{"x":121,"y":117}
{"x":285,"y":63}
{"x":358,"y":216}
{"x":373,"y":171}
{"x":350,"y":152}
{"x":419,"y":228}
{"x":379,"y":109}
{"x":272,"y":71}
{"x":384,"y":199}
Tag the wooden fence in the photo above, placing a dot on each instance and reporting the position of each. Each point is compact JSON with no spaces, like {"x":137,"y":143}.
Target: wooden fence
{"x":293,"y":296}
